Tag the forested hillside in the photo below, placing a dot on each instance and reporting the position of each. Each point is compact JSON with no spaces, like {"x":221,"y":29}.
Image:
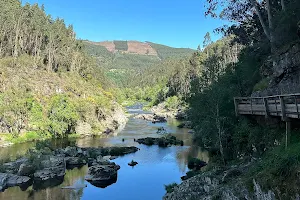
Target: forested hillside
{"x":129,"y":64}
{"x":259,"y":55}
{"x":49,"y":86}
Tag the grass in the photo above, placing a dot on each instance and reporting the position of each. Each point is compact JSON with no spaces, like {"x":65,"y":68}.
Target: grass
{"x":278,"y":169}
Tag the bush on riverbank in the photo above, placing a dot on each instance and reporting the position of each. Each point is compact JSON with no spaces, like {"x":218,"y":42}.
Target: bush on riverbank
{"x":170,"y":188}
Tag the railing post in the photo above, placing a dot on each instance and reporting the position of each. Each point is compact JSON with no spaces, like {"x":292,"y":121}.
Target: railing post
{"x":287,"y":133}
{"x":266,"y":107}
{"x":236,"y":106}
{"x":296,"y":103}
{"x":283,"y":117}
{"x":251,"y":106}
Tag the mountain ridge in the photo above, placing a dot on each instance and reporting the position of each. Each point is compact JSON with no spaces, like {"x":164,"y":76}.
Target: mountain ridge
{"x":141,"y":48}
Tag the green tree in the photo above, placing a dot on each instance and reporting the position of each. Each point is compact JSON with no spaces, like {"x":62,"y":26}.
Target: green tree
{"x":62,"y":115}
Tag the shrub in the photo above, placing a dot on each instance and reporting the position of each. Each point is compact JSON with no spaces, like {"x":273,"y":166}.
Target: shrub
{"x":195,"y":163}
{"x":62,"y":115}
{"x":170,"y":188}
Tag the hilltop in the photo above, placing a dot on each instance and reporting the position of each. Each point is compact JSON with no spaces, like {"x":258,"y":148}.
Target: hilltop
{"x":125,"y":62}
{"x":142,"y":48}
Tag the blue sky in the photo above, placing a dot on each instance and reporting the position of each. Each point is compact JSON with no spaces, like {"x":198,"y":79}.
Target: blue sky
{"x":176,"y":23}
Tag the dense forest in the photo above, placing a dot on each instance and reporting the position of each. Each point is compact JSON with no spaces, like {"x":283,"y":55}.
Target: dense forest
{"x":240,"y":65}
{"x":49,"y":85}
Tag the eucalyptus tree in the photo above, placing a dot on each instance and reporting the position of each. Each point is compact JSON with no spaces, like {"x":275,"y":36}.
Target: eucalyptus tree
{"x":244,"y":11}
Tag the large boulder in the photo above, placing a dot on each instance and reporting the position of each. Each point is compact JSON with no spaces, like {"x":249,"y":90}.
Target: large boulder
{"x":162,"y":142}
{"x":26,"y":169}
{"x":72,"y":162}
{"x":22,"y":181}
{"x":120,"y":151}
{"x":102,"y":175}
{"x":11,"y":180}
{"x":13,"y":167}
{"x":100,"y":161}
{"x":151,"y":117}
{"x":3,"y":181}
{"x":51,"y":168}
{"x":72,"y":151}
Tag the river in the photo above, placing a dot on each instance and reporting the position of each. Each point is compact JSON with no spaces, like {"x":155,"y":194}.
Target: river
{"x":157,"y":166}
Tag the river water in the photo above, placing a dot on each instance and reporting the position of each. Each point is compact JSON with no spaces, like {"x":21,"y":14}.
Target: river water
{"x":157,"y":166}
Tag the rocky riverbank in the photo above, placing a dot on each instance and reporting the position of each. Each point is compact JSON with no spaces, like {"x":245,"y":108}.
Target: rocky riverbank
{"x":112,"y":122}
{"x":225,"y":184}
{"x":154,"y":118}
{"x":46,"y":168}
{"x":162,"y":111}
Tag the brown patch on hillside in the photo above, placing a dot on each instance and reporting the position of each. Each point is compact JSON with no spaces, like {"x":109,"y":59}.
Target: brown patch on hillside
{"x":109,"y":45}
{"x":135,"y":47}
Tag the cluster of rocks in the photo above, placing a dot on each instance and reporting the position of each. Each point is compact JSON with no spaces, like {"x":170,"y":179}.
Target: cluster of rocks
{"x":151,"y":117}
{"x":162,"y":110}
{"x":218,"y":184}
{"x":169,"y":140}
{"x":48,"y":168}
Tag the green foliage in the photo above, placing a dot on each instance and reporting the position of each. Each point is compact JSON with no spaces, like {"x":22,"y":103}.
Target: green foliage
{"x":172,"y":102}
{"x":278,"y":169}
{"x":165,"y":52}
{"x":211,"y":105}
{"x":170,"y":188}
{"x":62,"y":115}
{"x":195,"y":163}
{"x":48,"y":81}
{"x":286,"y":27}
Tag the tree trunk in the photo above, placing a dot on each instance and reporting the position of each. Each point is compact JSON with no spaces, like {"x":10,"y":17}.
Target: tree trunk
{"x":262,"y":22}
{"x":15,"y":53}
{"x":283,"y":5}
{"x":49,"y":68}
{"x":271,"y":28}
{"x":218,"y":124}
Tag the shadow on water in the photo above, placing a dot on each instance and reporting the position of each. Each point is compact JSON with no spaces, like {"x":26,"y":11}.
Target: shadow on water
{"x":157,"y":166}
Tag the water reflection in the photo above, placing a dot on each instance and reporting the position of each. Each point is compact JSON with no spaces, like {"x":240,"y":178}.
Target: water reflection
{"x":157,"y":167}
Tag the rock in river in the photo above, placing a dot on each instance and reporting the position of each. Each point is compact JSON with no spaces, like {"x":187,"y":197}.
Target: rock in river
{"x":162,"y":142}
{"x":102,"y":175}
{"x":133,"y":163}
{"x":151,"y":117}
{"x":11,"y":180}
{"x":52,"y":168}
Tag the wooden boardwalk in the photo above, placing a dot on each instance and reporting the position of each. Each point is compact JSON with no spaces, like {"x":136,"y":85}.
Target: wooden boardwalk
{"x":284,"y":106}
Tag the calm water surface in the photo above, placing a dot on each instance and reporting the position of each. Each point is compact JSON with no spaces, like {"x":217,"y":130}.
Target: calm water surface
{"x":157,"y":166}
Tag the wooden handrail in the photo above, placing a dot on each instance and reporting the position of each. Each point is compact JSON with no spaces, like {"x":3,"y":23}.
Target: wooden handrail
{"x":284,"y":106}
{"x":283,"y":95}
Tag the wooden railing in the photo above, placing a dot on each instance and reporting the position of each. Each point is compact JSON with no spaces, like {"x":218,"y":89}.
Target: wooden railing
{"x":284,"y":106}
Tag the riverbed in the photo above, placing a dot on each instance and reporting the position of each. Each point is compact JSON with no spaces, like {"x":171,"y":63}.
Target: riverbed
{"x":157,"y":166}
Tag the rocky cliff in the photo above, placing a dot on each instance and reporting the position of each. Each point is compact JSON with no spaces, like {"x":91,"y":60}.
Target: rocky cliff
{"x":283,"y":74}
